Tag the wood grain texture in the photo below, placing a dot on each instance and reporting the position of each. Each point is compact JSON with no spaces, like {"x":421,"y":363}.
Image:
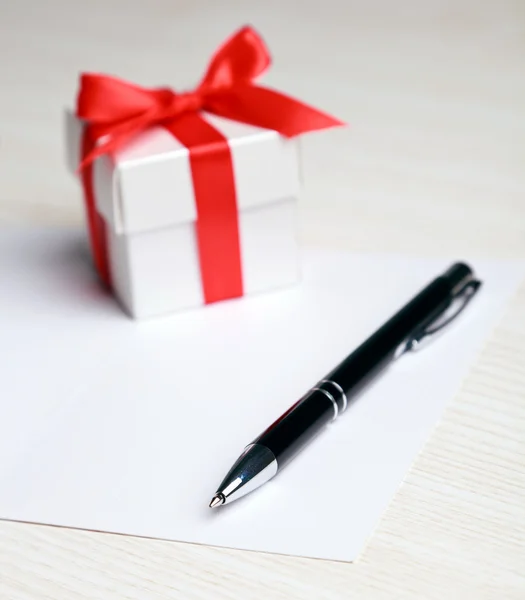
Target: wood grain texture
{"x":432,"y":164}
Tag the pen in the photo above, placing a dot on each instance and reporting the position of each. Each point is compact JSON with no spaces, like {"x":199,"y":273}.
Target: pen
{"x":409,"y":329}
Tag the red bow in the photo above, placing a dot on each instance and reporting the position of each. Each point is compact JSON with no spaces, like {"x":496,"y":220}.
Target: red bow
{"x":117,"y":110}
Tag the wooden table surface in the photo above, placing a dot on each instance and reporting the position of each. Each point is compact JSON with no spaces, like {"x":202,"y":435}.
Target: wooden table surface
{"x":433,"y":163}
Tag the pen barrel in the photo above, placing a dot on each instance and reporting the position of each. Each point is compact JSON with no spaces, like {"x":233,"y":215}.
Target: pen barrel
{"x":299,"y":424}
{"x":323,"y":403}
{"x":378,"y":351}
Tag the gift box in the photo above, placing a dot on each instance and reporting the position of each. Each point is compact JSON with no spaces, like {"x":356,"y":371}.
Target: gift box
{"x":145,"y":195}
{"x":191,"y":198}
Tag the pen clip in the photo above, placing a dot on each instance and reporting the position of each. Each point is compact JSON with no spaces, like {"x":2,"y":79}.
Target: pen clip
{"x":422,"y":337}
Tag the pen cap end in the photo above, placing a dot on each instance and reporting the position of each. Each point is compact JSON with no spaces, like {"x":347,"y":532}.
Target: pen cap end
{"x":458,"y":275}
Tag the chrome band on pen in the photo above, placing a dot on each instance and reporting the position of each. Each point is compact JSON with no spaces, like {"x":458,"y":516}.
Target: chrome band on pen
{"x":331,"y":398}
{"x":339,"y":389}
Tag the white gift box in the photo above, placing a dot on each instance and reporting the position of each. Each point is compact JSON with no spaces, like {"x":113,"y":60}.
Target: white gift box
{"x":144,"y":192}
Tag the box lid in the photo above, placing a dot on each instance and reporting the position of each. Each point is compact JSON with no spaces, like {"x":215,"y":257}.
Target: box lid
{"x":148,"y":184}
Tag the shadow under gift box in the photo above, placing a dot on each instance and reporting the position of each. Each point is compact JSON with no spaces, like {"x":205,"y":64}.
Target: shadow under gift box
{"x":144,"y":192}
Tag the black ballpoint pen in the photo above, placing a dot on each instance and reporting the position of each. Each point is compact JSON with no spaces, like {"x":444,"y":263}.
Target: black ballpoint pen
{"x":428,"y":312}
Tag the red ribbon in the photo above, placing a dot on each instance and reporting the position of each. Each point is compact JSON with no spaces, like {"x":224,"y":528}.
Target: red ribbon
{"x":114,"y":111}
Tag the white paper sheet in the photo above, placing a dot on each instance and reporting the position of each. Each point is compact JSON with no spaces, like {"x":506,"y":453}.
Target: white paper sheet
{"x":119,"y":426}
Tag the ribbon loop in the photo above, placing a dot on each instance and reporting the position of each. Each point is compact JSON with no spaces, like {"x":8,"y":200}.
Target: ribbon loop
{"x":242,"y":58}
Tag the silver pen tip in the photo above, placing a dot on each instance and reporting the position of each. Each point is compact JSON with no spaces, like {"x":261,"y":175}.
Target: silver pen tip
{"x":217,"y":500}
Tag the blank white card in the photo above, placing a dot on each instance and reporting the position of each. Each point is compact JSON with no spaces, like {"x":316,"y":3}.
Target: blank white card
{"x":123,"y":426}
